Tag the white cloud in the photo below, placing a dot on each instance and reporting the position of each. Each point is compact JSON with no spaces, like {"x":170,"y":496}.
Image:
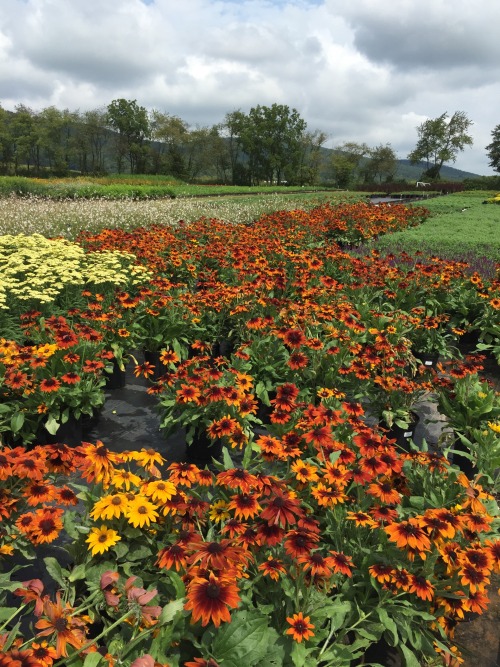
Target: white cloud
{"x":362,"y":71}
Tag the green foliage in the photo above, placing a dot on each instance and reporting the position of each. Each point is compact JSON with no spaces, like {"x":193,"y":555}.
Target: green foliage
{"x":381,"y":164}
{"x":131,"y":125}
{"x":494,"y":149}
{"x":273,"y":141}
{"x":345,"y":162}
{"x":440,"y":140}
{"x":459,"y":227}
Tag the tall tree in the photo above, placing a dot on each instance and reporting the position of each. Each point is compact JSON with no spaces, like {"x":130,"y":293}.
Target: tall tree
{"x":346,"y":161}
{"x":494,"y":149}
{"x":170,"y":134}
{"x":381,"y":164}
{"x":24,"y":133}
{"x":272,"y":139}
{"x":232,"y":130}
{"x":440,"y":140}
{"x":6,"y":148}
{"x":131,"y":124}
{"x":89,"y":141}
{"x":311,"y":158}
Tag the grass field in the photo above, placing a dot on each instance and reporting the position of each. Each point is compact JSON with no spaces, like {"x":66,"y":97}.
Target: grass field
{"x":460,"y":226}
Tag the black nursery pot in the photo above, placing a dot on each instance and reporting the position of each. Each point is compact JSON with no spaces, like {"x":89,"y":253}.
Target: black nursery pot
{"x":463,"y":463}
{"x":203,"y":450}
{"x":153,"y":357}
{"x":402,"y":435}
{"x":427,"y":359}
{"x":117,"y":378}
{"x":70,"y":433}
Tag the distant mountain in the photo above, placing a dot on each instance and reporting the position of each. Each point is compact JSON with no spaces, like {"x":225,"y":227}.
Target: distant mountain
{"x":414,"y":171}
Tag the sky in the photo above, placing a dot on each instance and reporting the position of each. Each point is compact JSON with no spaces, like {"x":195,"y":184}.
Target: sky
{"x":359,"y":70}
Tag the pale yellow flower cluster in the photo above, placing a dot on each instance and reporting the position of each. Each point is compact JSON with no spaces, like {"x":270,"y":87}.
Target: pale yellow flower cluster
{"x":34,"y":268}
{"x":112,"y":266}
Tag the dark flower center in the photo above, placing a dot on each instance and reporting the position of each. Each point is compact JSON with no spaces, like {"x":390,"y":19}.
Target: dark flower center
{"x":46,"y":526}
{"x":213,"y":591}
{"x":60,"y":624}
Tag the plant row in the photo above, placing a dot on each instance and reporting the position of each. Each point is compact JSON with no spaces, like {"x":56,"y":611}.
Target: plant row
{"x":300,"y":530}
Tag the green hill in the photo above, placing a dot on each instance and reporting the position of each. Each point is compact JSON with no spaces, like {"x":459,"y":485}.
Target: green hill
{"x":414,"y":171}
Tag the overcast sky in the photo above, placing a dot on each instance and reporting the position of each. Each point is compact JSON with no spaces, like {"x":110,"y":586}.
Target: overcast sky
{"x":359,"y":70}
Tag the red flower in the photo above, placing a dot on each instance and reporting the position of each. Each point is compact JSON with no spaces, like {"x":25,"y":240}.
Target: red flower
{"x":301,"y":627}
{"x":282,"y":510}
{"x":210,"y":599}
{"x":50,"y":384}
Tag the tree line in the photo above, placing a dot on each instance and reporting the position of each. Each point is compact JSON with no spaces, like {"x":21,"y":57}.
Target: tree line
{"x":268,"y":144}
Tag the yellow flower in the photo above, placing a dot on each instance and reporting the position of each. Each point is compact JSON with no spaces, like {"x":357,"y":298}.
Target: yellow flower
{"x":159,"y":491}
{"x":6,"y":550}
{"x":140,"y":512}
{"x":110,"y":507}
{"x":124,"y":479}
{"x":494,"y":426}
{"x":218,"y":511}
{"x":101,"y":539}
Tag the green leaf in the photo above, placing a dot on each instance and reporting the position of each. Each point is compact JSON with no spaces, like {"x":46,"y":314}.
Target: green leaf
{"x":334,"y":456}
{"x":93,"y":660}
{"x":57,"y":573}
{"x":228,"y":461}
{"x":244,"y":641}
{"x":70,"y":525}
{"x":120,"y":549}
{"x":409,"y":656}
{"x":51,"y":425}
{"x":388,"y":623}
{"x":299,"y":654}
{"x":17,"y":422}
{"x":169,"y":611}
{"x":7,"y":612}
{"x":77,"y":573}
{"x":178,"y":584}
{"x":139,"y":553}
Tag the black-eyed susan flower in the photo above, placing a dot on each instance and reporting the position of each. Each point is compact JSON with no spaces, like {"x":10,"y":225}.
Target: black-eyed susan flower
{"x":141,"y":512}
{"x":209,"y":599}
{"x":301,"y":629}
{"x":101,"y":539}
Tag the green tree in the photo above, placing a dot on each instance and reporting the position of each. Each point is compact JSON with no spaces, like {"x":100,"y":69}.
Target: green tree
{"x":130,"y":122}
{"x":494,"y":149}
{"x":272,"y":138}
{"x":90,"y":138}
{"x":381,"y":164}
{"x":311,"y":159}
{"x":169,"y":134}
{"x":346,"y":162}
{"x":6,"y":149}
{"x":23,"y":129}
{"x":440,"y":140}
{"x":55,"y":138}
{"x":232,"y":130}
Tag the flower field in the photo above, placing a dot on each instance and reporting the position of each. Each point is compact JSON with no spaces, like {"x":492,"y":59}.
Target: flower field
{"x":304,"y":527}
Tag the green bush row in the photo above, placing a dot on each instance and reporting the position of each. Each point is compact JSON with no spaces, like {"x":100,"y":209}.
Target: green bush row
{"x":26,"y":187}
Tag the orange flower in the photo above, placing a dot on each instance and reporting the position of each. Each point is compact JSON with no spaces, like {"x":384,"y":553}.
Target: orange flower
{"x":49,"y":385}
{"x":273,"y":568}
{"x":98,"y":463}
{"x":211,"y":598}
{"x":342,"y":563}
{"x":408,"y":534}
{"x":301,"y":628}
{"x":67,"y":628}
